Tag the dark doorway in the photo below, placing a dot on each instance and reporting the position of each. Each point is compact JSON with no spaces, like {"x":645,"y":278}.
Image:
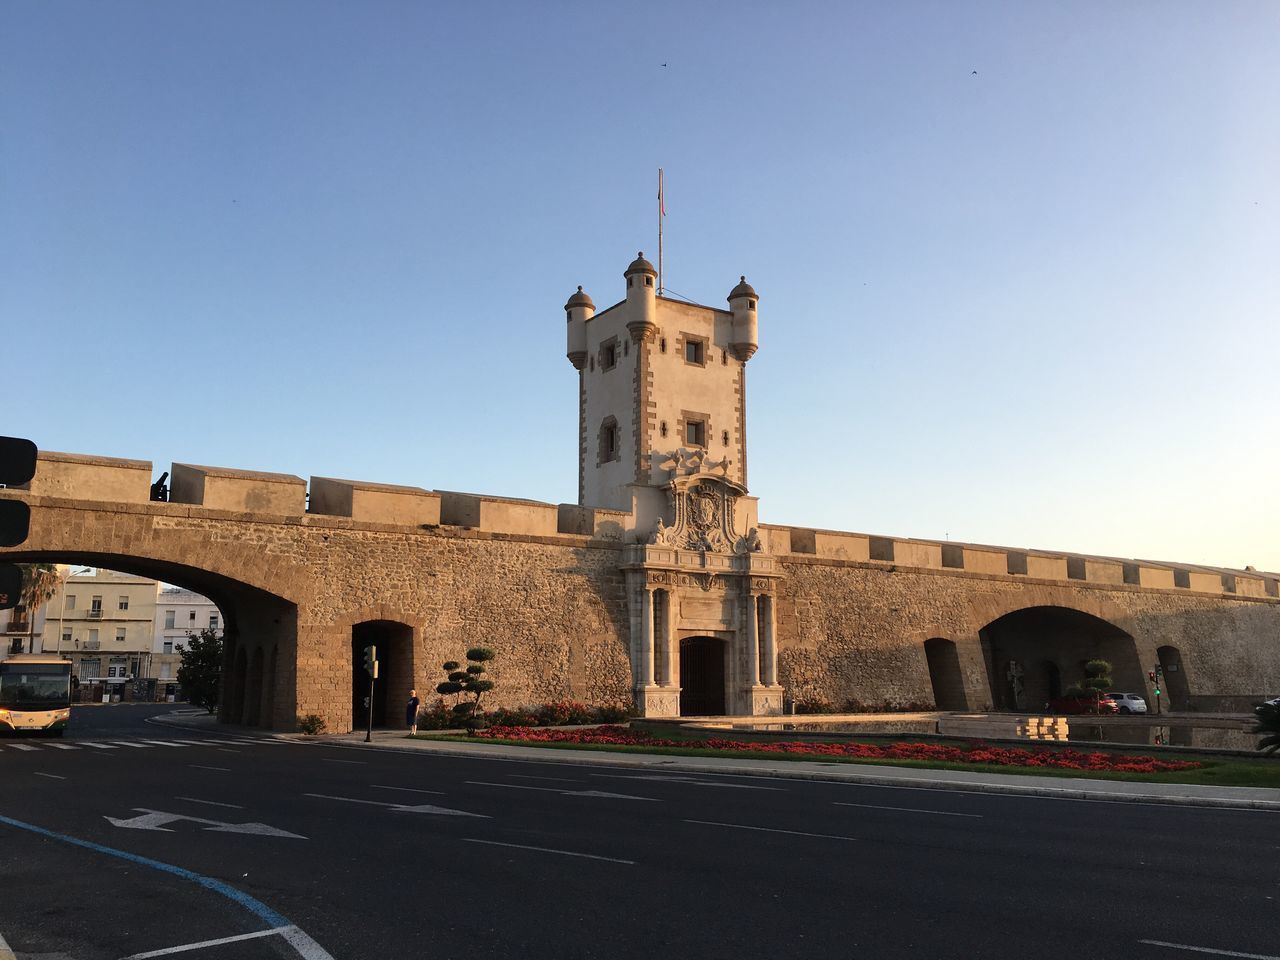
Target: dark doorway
{"x":394,"y":643}
{"x":944,"y":674}
{"x":1175,"y":684}
{"x":702,"y":677}
{"x":1052,"y":677}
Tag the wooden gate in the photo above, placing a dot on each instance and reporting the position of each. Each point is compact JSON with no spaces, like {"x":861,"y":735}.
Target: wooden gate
{"x":702,"y":677}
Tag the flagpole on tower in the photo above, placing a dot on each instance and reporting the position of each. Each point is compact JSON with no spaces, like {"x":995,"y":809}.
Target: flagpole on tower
{"x":662,"y":211}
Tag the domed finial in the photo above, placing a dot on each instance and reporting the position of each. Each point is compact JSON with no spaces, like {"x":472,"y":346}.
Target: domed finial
{"x":742,"y":277}
{"x":640,"y":255}
{"x":580,"y":286}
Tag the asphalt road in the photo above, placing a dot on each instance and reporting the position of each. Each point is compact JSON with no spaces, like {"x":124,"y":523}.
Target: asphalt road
{"x":373,"y":853}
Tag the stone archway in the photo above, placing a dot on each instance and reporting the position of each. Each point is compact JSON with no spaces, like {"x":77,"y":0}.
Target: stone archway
{"x":945,"y":675}
{"x":394,"y":642}
{"x":1029,"y":651}
{"x":702,"y":676}
{"x":252,"y":620}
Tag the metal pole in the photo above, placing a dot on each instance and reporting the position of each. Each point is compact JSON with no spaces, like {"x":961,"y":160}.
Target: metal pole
{"x":368,"y":732}
{"x":661,"y":204}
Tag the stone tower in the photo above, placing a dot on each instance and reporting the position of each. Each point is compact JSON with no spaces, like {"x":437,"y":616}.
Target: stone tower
{"x":658,"y":376}
{"x":662,"y":439}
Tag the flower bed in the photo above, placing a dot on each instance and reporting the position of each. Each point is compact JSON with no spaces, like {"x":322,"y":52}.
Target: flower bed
{"x":974,"y":753}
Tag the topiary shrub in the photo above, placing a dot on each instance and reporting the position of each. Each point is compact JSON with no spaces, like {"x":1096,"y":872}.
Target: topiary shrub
{"x":311,"y":724}
{"x":1268,"y":717}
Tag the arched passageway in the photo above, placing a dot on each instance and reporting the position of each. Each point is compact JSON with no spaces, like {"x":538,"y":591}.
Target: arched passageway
{"x":253,"y":691}
{"x":1033,"y":655}
{"x":394,"y":643}
{"x":253,"y":622}
{"x":945,"y":675}
{"x":1176,"y":685}
{"x":702,"y":676}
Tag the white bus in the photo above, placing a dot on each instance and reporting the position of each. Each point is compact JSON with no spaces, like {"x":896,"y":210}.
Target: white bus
{"x":35,"y":694}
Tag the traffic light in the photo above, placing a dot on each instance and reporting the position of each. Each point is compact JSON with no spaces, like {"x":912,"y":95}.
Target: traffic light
{"x":17,"y":466}
{"x":371,"y":661}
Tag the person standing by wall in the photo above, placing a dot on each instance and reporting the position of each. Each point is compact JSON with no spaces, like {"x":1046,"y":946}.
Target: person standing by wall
{"x":411,"y":712}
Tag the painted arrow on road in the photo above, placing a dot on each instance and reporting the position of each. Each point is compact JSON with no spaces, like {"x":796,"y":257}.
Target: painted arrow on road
{"x":562,"y":792}
{"x":156,"y":820}
{"x":404,"y":807}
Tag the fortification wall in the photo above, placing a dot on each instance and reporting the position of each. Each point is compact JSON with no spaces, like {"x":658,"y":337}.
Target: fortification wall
{"x":856,"y":630}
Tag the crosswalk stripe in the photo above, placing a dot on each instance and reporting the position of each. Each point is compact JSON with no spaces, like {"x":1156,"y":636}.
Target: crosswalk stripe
{"x":96,"y":746}
{"x":23,"y":746}
{"x":61,"y":746}
{"x":193,"y":743}
{"x":130,"y":743}
{"x":164,"y":743}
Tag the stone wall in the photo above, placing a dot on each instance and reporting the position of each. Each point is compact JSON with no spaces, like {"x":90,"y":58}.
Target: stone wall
{"x":850,"y":630}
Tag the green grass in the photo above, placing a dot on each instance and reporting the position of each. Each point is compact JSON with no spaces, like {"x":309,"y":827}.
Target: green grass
{"x":1213,"y":770}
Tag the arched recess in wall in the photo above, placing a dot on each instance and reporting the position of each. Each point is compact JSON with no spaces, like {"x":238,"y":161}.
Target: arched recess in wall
{"x":1176,"y":683}
{"x":945,"y":675}
{"x":252,"y":619}
{"x":394,"y":642}
{"x":1032,"y":651}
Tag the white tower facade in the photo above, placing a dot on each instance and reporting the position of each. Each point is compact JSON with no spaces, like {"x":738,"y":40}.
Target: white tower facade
{"x":662,"y":431}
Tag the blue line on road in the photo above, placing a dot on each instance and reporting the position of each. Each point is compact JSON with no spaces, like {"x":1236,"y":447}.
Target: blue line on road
{"x":256,"y":907}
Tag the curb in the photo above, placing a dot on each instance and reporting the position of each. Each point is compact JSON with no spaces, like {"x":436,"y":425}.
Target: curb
{"x":685,"y":765}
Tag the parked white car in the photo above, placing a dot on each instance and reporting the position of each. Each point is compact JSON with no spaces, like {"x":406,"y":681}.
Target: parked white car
{"x":1129,"y":702}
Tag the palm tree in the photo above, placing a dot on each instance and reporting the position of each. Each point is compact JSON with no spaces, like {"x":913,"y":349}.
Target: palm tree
{"x":40,"y":581}
{"x":1268,"y":725}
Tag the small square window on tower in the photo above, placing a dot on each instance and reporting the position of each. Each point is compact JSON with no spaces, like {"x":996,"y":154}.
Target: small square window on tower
{"x":695,"y":433}
{"x":695,"y":351}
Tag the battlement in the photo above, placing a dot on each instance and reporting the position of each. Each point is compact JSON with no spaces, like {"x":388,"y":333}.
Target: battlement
{"x":971,"y":558}
{"x":284,"y":496}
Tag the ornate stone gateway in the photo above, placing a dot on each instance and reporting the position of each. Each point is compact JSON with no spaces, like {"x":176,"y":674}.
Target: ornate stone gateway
{"x":701,"y":576}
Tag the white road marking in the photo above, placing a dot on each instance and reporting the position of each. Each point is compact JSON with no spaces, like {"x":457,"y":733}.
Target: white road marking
{"x":941,"y":813}
{"x":97,"y":746}
{"x":517,"y":776}
{"x":51,"y":776}
{"x":403,"y":807}
{"x":676,"y":778}
{"x":156,"y":820}
{"x":23,"y":746}
{"x":61,"y":746}
{"x":1219,"y":953}
{"x":379,"y":786}
{"x":563,"y":792}
{"x":164,"y":743}
{"x":212,"y":803}
{"x":331,"y":760}
{"x":193,"y":743}
{"x":563,"y":853}
{"x":130,"y":743}
{"x":184,"y":948}
{"x":794,"y":833}
{"x":199,"y":766}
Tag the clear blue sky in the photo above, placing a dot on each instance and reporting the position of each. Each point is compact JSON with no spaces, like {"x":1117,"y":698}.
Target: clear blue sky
{"x":1035,"y":306}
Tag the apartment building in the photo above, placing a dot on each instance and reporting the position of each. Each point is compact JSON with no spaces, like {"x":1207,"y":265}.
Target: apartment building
{"x":177,"y":613}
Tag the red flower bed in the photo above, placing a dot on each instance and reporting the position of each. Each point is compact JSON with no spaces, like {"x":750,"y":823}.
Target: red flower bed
{"x":976,"y":752}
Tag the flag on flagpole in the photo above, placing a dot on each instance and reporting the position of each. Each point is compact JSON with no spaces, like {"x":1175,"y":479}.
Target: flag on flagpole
{"x":662,"y":205}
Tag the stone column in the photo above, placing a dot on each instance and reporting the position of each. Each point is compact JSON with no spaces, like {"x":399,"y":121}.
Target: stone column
{"x":770,"y":642}
{"x":646,"y":637}
{"x":670,"y":647}
{"x":753,"y":640}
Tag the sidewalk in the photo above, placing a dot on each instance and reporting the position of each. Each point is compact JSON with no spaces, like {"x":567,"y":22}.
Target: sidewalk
{"x":1062,"y":788}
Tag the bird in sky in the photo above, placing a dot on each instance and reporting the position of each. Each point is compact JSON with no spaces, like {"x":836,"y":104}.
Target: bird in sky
{"x":973,"y":74}
{"x":664,"y":64}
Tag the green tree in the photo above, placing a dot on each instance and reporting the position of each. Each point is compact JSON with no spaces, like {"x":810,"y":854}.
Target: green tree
{"x":200,"y":672}
{"x":40,"y":581}
{"x":1097,"y":678}
{"x":1268,"y":725}
{"x":467,"y":682}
